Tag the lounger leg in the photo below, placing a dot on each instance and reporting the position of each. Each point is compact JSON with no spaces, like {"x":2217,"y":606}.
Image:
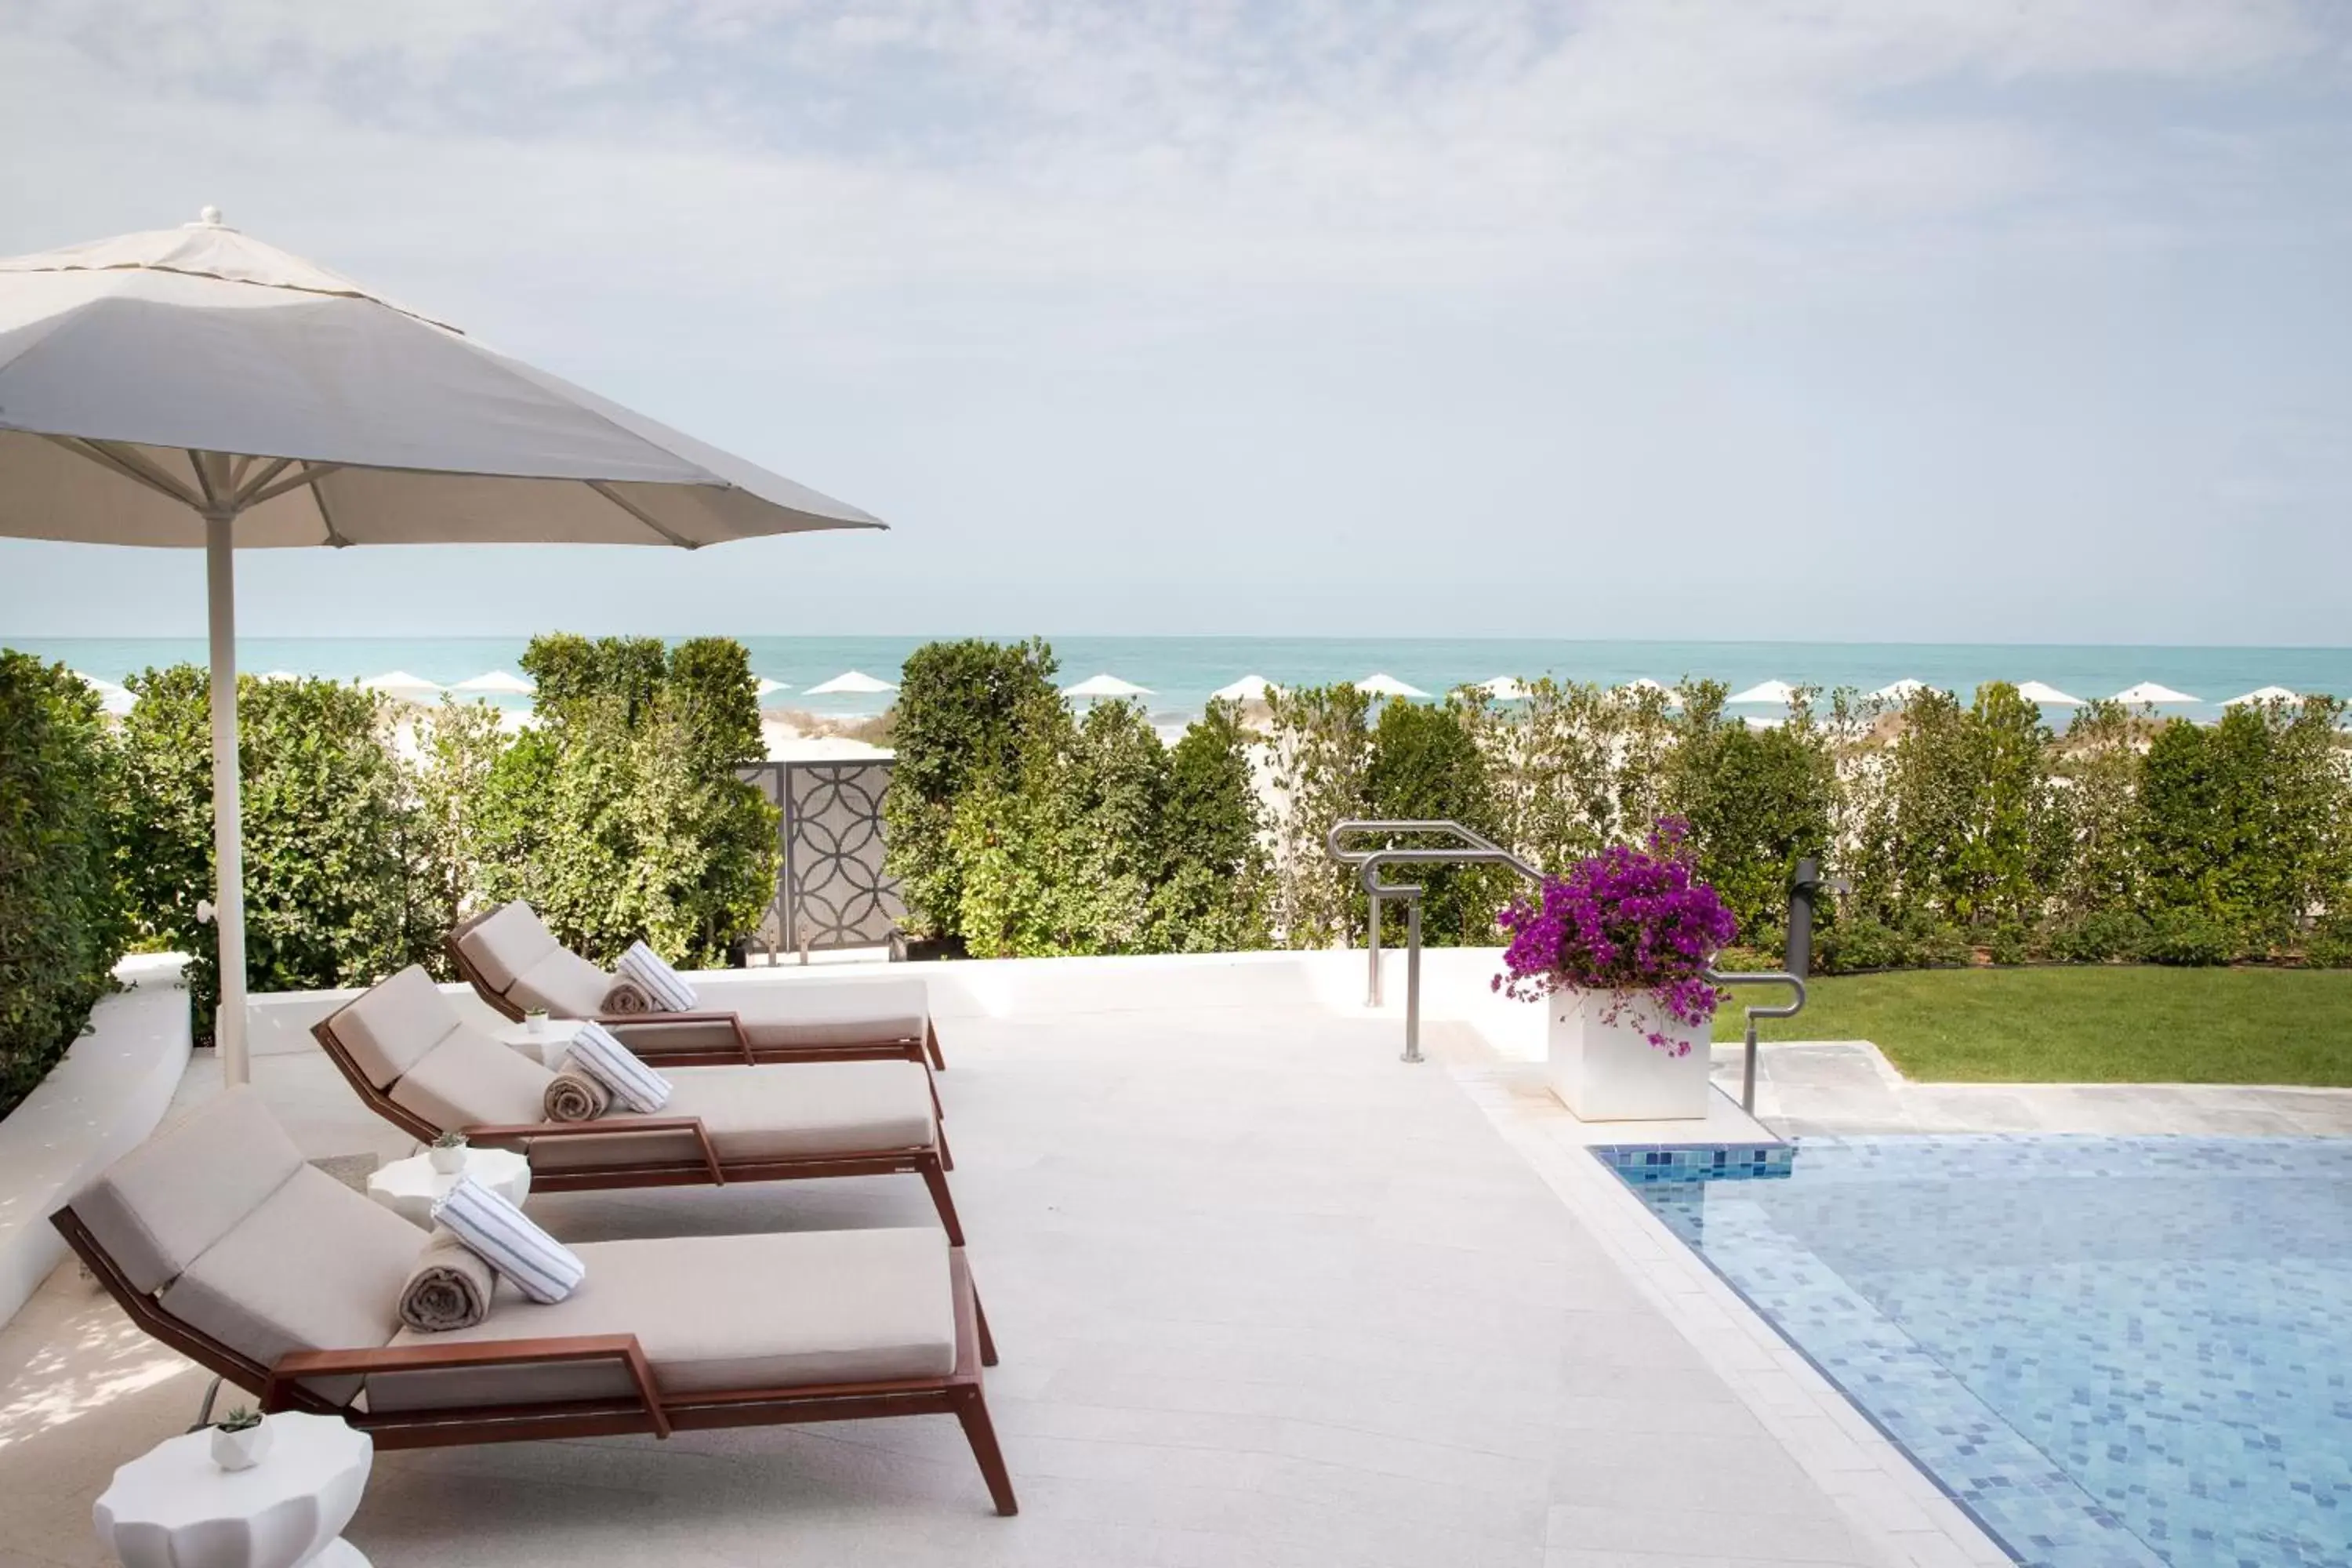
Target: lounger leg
{"x":972,"y":1411}
{"x":932,"y":1044}
{"x":935,"y":1177}
{"x":939,"y":1112}
{"x":947,"y":1155}
{"x":987,"y":1340}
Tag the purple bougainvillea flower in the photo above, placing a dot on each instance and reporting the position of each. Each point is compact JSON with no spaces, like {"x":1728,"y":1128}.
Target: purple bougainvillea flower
{"x":1629,"y":922}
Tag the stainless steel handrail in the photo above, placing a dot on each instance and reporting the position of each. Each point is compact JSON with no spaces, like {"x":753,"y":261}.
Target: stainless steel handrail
{"x":1474,"y":848}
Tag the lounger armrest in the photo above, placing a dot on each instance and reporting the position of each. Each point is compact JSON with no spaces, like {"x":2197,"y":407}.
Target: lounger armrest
{"x":617,"y":1023}
{"x":616,"y":1127}
{"x":297,"y":1365}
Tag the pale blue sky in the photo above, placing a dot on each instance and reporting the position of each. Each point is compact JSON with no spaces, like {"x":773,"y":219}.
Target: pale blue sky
{"x":1851,"y":318}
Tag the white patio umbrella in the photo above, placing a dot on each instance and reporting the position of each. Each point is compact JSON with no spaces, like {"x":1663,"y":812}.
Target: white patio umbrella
{"x":1504,"y":689}
{"x":1900,"y":691}
{"x":195,"y":388}
{"x":1764,"y":692}
{"x":2047,"y":696}
{"x":2149,"y":693}
{"x":851,"y":683}
{"x":497,"y":683}
{"x":1106,"y":685}
{"x":2262,"y":694}
{"x":1387,"y":686}
{"x":1248,"y":689}
{"x":400,"y":684}
{"x":768,"y":688}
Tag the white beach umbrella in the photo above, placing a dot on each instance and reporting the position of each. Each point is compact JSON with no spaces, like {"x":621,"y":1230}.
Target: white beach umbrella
{"x":196,"y":388}
{"x":114,"y":696}
{"x":851,"y":683}
{"x":768,"y":688}
{"x":1900,"y":691}
{"x":2149,"y":693}
{"x":1248,"y":689}
{"x":1764,"y":692}
{"x":1387,"y":686}
{"x":497,"y":683}
{"x":2262,"y":695}
{"x":2047,"y":696}
{"x":277,"y":675}
{"x":1106,"y":685}
{"x":400,"y":684}
{"x":1504,"y":689}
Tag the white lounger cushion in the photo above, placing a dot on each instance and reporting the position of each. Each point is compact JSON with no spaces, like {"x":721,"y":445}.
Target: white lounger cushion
{"x":395,"y":1025}
{"x":781,"y":1112}
{"x":315,"y":1267}
{"x":471,"y":1081}
{"x":720,"y":1312}
{"x":158,"y":1208}
{"x":780,"y":1016}
{"x":507,"y":942}
{"x":563,"y":984}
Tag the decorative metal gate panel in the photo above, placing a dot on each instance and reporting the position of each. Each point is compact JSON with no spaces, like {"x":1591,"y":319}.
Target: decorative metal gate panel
{"x":831,"y":889}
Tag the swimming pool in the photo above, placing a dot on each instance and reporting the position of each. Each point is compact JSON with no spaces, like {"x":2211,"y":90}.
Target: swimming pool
{"x":2110,"y":1349}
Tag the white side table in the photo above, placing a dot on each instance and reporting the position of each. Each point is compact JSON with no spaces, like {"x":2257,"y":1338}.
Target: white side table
{"x":174,"y":1508}
{"x":547,"y":1047}
{"x":409,"y":1188}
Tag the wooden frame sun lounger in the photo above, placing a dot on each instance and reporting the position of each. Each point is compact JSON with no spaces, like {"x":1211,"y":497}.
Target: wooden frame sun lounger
{"x":513,"y":962}
{"x":411,"y":1034}
{"x":181,"y":1232}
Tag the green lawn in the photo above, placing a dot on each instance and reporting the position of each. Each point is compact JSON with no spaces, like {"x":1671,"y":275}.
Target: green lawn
{"x":2086,"y":1025}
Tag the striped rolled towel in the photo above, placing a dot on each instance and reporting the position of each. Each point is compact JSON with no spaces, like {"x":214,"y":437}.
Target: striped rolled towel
{"x":541,"y":1268}
{"x":448,"y":1289}
{"x":575,"y":1097}
{"x":625,"y":999}
{"x":642,"y":964}
{"x":636,"y":1086}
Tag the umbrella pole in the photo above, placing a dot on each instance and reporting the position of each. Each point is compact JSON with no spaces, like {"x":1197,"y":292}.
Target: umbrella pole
{"x":228,"y":824}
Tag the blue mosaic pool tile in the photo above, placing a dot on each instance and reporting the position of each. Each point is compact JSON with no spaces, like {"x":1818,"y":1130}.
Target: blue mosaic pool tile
{"x":2108,"y":1350}
{"x":1696,"y":1162}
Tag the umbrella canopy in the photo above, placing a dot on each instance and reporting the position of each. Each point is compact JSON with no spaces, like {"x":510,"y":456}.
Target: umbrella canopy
{"x":277,"y":675}
{"x":195,"y":387}
{"x":1504,"y":689}
{"x":768,"y":688}
{"x":1105,"y":686}
{"x":114,"y":696}
{"x":2150,"y":694}
{"x":399,"y":683}
{"x":851,"y":683}
{"x":1764,"y":692}
{"x":1387,"y":686}
{"x":2262,"y":695}
{"x":2047,"y":696}
{"x":497,"y":683}
{"x":1900,"y":692}
{"x":1248,"y":689}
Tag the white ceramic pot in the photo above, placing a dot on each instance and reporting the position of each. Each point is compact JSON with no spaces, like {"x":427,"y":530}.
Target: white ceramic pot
{"x":1607,"y":1070}
{"x":241,"y":1450}
{"x":447,"y":1161}
{"x":535,"y":1023}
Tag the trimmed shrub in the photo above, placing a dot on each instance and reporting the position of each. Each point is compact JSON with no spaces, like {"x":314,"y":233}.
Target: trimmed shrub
{"x":2103,"y":936}
{"x":63,"y":921}
{"x":1214,"y":896}
{"x":1757,"y":801}
{"x":2188,"y":938}
{"x":957,"y":727}
{"x":1426,"y":766}
{"x":1318,"y":747}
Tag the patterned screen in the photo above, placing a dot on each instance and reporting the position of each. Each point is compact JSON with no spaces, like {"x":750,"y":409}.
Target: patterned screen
{"x":832,"y":892}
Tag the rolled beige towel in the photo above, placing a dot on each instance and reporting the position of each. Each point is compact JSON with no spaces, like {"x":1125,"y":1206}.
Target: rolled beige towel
{"x":448,"y":1289}
{"x":573,"y":1096}
{"x":627,"y":999}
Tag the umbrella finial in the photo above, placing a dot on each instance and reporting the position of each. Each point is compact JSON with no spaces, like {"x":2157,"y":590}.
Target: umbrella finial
{"x":207,"y":216}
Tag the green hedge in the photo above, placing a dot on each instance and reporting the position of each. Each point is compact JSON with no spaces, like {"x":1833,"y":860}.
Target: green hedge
{"x":63,"y":921}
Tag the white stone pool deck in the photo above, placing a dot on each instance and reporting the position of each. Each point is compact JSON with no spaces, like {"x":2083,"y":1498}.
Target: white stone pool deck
{"x":1264,"y":1295}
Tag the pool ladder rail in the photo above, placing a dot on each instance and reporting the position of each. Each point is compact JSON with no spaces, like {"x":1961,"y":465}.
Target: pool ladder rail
{"x":1461,"y":847}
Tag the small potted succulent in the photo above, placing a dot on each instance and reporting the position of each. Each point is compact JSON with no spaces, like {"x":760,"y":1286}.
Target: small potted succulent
{"x":240,"y":1439}
{"x":447,"y":1153}
{"x":535,"y":1021}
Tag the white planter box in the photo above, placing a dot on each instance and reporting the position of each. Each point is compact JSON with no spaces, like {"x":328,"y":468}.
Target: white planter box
{"x":1606,"y":1071}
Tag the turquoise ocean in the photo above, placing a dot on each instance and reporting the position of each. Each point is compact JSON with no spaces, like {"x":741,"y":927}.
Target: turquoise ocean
{"x":1183,"y":671}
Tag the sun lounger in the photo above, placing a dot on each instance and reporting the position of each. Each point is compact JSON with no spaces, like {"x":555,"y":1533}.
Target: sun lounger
{"x":515,"y":964}
{"x":217,"y":1239}
{"x":418,"y":1065}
